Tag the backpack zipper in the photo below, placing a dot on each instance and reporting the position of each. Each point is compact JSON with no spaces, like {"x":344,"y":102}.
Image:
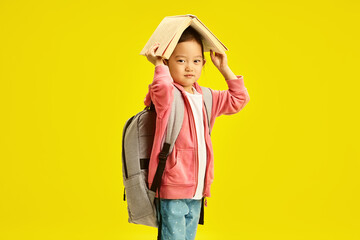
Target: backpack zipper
{"x":123,"y":139}
{"x":123,"y":144}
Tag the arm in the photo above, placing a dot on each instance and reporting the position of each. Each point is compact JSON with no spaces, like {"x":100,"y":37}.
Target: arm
{"x":161,"y":89}
{"x":236,"y":97}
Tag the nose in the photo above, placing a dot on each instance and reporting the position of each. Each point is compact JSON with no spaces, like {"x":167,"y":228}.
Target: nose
{"x":188,"y":67}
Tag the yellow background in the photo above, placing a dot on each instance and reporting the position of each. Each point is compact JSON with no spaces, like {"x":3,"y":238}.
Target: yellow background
{"x":286,"y":167}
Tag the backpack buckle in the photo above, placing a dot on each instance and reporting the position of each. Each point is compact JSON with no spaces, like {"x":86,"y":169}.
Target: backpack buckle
{"x":164,"y":152}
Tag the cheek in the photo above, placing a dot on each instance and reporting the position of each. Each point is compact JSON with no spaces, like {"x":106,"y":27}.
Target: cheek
{"x":174,"y":72}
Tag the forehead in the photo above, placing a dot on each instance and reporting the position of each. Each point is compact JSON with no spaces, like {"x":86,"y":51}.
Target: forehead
{"x":188,"y":49}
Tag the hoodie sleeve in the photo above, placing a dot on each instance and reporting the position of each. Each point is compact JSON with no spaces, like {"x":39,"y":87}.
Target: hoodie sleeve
{"x":160,"y":90}
{"x":232,"y":100}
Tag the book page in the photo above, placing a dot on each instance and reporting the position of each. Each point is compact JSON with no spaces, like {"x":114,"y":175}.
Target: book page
{"x":210,"y":40}
{"x":176,"y":38}
{"x":164,"y":33}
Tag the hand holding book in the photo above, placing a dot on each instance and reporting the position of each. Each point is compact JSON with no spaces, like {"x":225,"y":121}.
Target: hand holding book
{"x":221,"y":63}
{"x":150,"y":55}
{"x":218,"y":59}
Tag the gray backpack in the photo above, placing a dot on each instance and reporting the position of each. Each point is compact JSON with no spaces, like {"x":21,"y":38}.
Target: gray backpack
{"x":137,"y":141}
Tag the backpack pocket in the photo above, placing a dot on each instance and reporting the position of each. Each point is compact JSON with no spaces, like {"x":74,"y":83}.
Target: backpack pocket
{"x":140,"y":200}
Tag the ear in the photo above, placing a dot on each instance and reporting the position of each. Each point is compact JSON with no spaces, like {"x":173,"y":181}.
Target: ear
{"x":165,"y":61}
{"x":204,"y":61}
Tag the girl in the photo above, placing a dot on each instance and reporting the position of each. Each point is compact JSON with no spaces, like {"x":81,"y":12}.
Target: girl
{"x":189,"y":167}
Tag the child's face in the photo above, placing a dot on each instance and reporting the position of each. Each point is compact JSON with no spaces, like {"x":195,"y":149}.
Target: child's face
{"x":185,"y":64}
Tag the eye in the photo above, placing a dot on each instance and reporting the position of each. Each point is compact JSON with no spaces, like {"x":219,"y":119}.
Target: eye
{"x":197,"y":61}
{"x":180,"y":60}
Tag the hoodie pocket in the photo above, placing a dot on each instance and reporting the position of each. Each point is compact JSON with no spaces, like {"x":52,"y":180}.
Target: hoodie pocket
{"x":182,"y":172}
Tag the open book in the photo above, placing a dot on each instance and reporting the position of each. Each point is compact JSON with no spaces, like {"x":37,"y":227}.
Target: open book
{"x":170,"y":30}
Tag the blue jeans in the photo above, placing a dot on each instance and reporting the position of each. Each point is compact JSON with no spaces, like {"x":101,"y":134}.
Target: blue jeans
{"x":180,"y":218}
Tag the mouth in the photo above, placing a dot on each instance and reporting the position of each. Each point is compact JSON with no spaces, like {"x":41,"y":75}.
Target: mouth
{"x":189,"y":75}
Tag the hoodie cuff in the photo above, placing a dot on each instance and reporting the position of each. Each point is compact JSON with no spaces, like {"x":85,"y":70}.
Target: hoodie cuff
{"x":236,"y":84}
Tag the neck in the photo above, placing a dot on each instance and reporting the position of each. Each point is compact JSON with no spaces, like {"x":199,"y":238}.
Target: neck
{"x":189,"y":89}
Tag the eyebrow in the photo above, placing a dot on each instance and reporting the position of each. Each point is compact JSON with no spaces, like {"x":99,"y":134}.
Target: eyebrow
{"x":185,"y":56}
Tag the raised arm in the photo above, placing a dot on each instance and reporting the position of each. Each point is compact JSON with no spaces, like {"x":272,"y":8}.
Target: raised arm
{"x":161,"y":89}
{"x":236,"y":97}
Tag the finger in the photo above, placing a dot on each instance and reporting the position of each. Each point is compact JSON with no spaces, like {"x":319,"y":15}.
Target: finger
{"x":152,"y":50}
{"x":155,"y":47}
{"x":213,"y":58}
{"x":211,"y":54}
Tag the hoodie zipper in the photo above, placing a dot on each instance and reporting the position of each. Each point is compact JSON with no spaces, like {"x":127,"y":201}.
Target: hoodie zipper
{"x":192,"y":122}
{"x":207,"y":154}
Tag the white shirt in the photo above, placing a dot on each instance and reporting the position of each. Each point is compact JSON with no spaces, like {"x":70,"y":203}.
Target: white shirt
{"x":196,"y":104}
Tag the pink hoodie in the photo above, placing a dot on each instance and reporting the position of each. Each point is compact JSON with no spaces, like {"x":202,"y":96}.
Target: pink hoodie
{"x":180,"y":176}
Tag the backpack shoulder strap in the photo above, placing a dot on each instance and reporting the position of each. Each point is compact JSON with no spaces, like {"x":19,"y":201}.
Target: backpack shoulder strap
{"x":207,"y":95}
{"x":175,"y":119}
{"x":172,"y":131}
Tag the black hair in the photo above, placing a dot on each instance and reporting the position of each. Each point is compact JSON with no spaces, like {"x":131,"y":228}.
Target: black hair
{"x":191,"y":34}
